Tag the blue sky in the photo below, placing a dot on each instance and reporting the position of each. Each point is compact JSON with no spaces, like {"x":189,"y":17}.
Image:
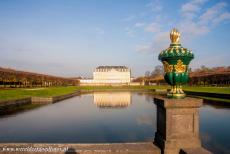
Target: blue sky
{"x":72,"y":37}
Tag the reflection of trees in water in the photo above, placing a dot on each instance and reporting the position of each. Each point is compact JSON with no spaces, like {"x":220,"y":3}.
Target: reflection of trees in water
{"x":147,"y":94}
{"x":216,"y":104}
{"x":149,"y":98}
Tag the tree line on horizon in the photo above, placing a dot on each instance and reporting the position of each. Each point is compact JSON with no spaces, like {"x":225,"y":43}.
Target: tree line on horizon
{"x":215,"y":76}
{"x":15,"y":78}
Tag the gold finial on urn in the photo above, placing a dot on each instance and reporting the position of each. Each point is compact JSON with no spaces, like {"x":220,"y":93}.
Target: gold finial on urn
{"x":175,"y":36}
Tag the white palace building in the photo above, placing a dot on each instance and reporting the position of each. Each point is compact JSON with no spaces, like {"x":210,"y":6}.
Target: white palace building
{"x":109,"y":75}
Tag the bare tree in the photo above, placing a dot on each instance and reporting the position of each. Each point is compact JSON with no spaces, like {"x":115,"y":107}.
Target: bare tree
{"x":158,"y":71}
{"x":147,"y":74}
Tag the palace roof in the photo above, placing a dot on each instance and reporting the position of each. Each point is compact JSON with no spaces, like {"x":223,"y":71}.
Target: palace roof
{"x":112,"y":67}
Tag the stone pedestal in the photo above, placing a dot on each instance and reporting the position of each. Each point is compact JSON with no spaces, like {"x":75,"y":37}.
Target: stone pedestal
{"x":177,"y":124}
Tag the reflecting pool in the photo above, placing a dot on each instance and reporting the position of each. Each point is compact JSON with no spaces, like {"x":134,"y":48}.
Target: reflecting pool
{"x":215,"y":128}
{"x":99,"y":117}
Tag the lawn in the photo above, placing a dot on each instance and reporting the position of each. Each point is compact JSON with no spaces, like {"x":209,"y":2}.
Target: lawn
{"x":222,"y":90}
{"x":17,"y":93}
{"x":8,"y":94}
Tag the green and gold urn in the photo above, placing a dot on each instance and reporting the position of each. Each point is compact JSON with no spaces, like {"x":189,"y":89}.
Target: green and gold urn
{"x":176,"y":60}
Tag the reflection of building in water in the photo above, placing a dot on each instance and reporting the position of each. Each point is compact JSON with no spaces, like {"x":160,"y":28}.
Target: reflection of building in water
{"x":112,"y":99}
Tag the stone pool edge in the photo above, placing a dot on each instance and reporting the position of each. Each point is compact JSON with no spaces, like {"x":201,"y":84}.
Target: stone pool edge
{"x":91,"y":148}
{"x":59,"y":148}
{"x":35,"y":100}
{"x":48,"y":100}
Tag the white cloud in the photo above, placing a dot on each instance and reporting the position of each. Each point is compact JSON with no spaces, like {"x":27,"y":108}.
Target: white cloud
{"x":162,"y":37}
{"x":160,"y":41}
{"x":192,"y":6}
{"x":205,"y":20}
{"x":129,"y":31}
{"x":155,"y":6}
{"x":212,"y":13}
{"x":129,"y":18}
{"x":224,"y":16}
{"x":153,"y":27}
{"x":144,"y":48}
{"x":139,"y":24}
{"x":192,"y":29}
{"x":190,"y":9}
{"x":195,"y":19}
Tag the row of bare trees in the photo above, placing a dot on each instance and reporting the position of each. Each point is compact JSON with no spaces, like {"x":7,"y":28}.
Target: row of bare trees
{"x":216,"y":76}
{"x":203,"y":76}
{"x":14,"y":78}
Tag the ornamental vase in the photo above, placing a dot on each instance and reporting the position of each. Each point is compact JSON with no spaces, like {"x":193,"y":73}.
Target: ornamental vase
{"x":176,"y":61}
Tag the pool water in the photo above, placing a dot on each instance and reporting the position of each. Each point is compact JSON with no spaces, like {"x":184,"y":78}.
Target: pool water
{"x":100,"y":117}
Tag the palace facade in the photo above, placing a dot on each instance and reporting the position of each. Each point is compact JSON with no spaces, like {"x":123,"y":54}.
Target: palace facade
{"x":104,"y":75}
